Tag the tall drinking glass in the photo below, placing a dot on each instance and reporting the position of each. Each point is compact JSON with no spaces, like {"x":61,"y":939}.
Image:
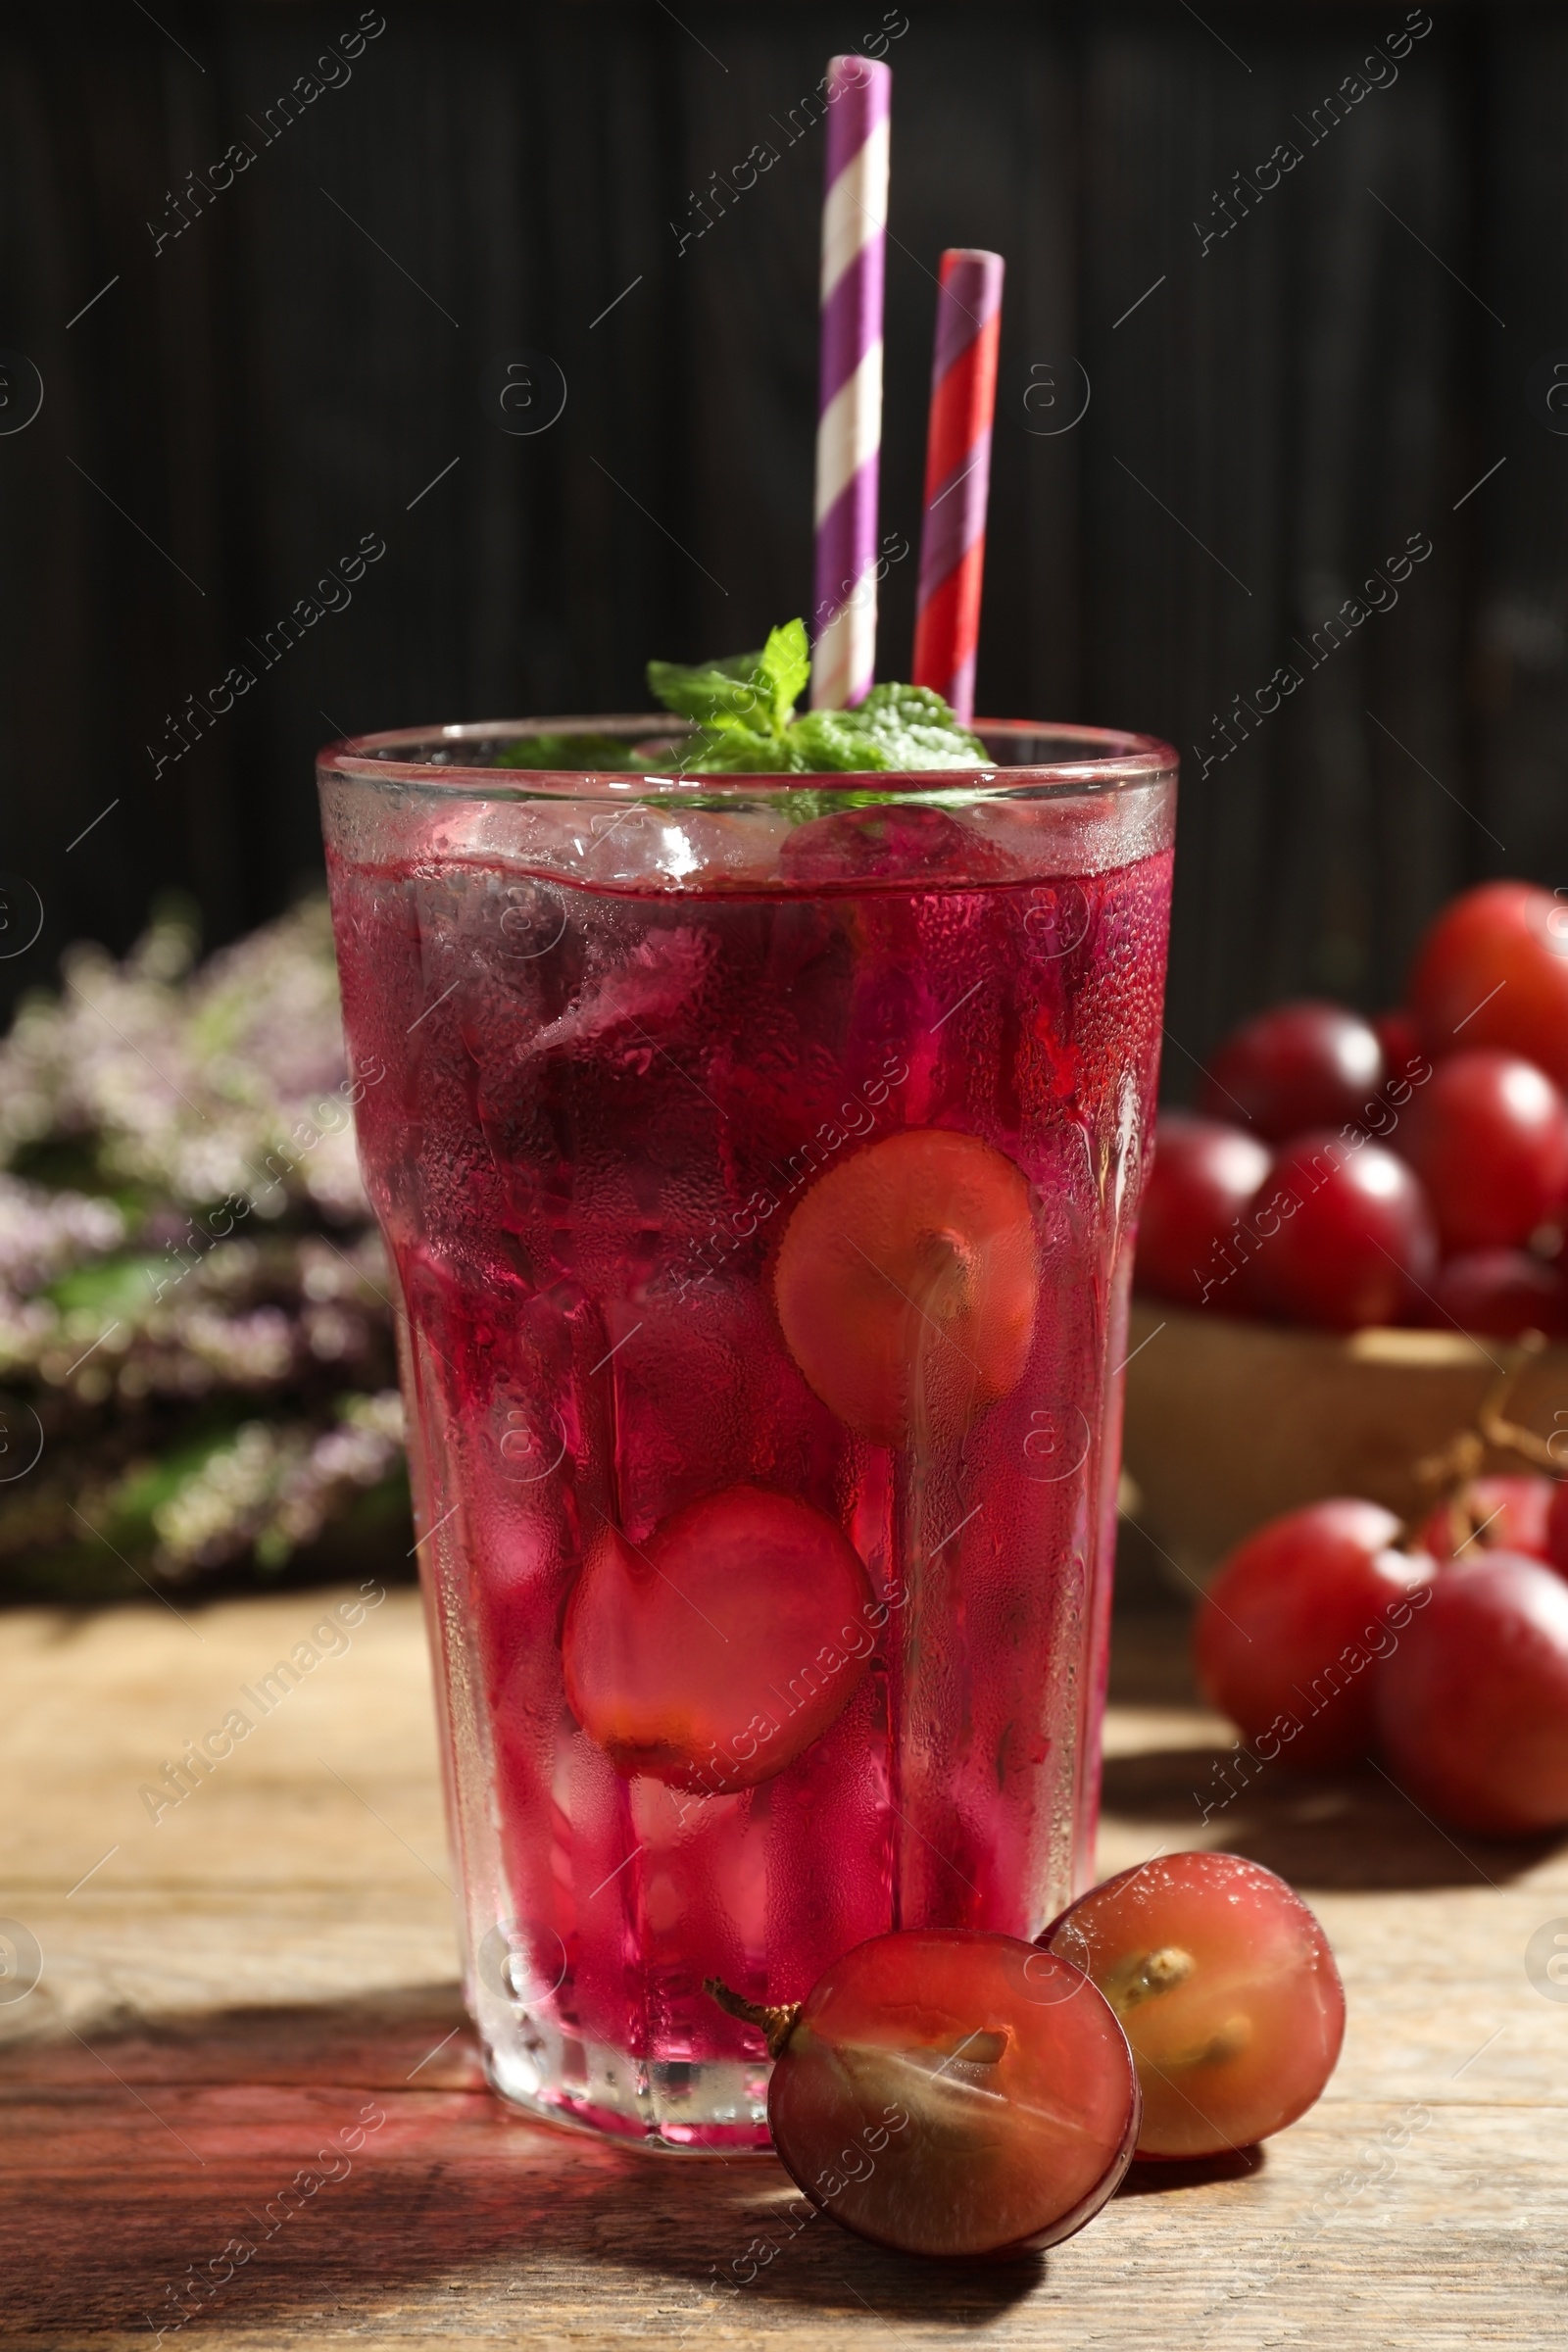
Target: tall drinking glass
{"x":759,"y":1160}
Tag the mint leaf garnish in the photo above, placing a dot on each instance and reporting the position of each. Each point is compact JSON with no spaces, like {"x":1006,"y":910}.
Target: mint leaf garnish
{"x":753,"y":690}
{"x":745,"y":708}
{"x":567,"y":752}
{"x":895,"y":727}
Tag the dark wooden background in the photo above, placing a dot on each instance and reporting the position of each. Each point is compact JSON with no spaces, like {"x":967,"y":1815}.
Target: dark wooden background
{"x":238,"y":409}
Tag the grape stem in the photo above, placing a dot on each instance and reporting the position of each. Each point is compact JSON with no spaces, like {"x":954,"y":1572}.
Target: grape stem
{"x":1456,"y":1464}
{"x":774,"y":2023}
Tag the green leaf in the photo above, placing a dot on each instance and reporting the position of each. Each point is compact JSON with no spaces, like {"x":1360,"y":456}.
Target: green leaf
{"x":716,"y":693}
{"x":66,"y":1164}
{"x":829,"y":740}
{"x":124,"y":1285}
{"x":786,"y":666}
{"x":904,"y":727}
{"x":148,"y":1486}
{"x":730,"y":752}
{"x":751,"y":692}
{"x":567,"y":751}
{"x":745,"y":708}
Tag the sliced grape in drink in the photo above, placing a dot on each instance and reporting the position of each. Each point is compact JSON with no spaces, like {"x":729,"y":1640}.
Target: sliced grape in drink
{"x":668,"y":1647}
{"x":907,"y":1276}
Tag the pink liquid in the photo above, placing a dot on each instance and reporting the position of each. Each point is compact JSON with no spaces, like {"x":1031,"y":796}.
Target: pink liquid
{"x":599,"y":1109}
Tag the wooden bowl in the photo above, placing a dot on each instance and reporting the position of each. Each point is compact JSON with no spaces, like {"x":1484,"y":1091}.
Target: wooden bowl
{"x":1230,"y":1423}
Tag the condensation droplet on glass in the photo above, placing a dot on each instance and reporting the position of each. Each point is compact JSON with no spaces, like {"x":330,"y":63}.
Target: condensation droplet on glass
{"x":1055,"y":1443}
{"x":521,"y":1445}
{"x":532,"y":920}
{"x":522,"y":1960}
{"x":1056,"y":919}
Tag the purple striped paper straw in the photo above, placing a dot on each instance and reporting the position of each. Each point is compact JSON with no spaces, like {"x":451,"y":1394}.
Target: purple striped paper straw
{"x":849,"y":429}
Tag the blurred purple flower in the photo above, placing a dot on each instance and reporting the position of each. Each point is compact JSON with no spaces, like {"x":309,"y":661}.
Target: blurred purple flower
{"x":192,"y":1296}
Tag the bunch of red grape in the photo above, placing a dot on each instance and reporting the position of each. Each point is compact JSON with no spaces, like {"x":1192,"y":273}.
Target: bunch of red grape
{"x":1408,"y":1169}
{"x":1326,"y":1648}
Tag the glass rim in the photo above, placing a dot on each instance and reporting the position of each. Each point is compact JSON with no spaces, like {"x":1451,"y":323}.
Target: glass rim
{"x":1091,"y":760}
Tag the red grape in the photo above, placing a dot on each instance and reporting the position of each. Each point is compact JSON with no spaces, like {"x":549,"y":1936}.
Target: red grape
{"x":1401,"y":1040}
{"x":1554,"y":1549}
{"x":1499,"y":1292}
{"x":1493,"y":970}
{"x":1204,"y":1176}
{"x":1488,"y":1136}
{"x":1346,"y":1235}
{"x":910,"y":1269}
{"x":1495,"y":1514}
{"x":1227,"y":1990}
{"x":1301,"y":1065}
{"x":711,"y":1654}
{"x":1288,"y":1635}
{"x":952,"y":2092}
{"x":1473,"y":1705}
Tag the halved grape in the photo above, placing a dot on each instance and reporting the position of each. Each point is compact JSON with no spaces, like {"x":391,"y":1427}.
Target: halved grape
{"x":1227,"y":1991}
{"x":952,"y":2092}
{"x":907,"y":1275}
{"x":713,"y":1654}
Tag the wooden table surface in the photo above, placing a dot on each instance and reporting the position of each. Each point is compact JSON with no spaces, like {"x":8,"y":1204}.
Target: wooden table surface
{"x":272,"y":1965}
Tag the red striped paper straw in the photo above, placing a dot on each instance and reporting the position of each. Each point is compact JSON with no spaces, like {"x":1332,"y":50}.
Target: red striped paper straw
{"x":958,"y":474}
{"x":849,"y":429}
